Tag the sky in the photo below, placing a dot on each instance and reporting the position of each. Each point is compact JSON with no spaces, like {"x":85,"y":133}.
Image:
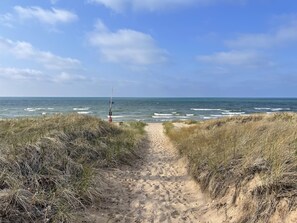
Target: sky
{"x":148,"y":48}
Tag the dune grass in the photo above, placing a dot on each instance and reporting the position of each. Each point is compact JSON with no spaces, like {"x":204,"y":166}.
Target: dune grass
{"x":230,"y":152}
{"x":50,"y":166}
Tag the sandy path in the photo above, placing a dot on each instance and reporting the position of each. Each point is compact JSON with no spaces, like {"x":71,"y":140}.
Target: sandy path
{"x":159,"y":189}
{"x":165,"y":191}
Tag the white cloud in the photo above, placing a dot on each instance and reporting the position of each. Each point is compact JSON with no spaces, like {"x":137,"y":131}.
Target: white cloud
{"x":155,"y":5}
{"x":115,"y":5}
{"x":251,"y":50}
{"x":281,"y":36}
{"x":54,"y":1}
{"x":50,"y":17}
{"x":56,"y":62}
{"x":25,"y":50}
{"x":6,"y":19}
{"x":126,"y":46}
{"x":66,"y":77}
{"x":249,"y":59}
{"x":20,"y":74}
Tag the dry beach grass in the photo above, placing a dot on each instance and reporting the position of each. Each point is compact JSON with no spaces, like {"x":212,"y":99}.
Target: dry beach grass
{"x":250,"y":159}
{"x":81,"y":169}
{"x":50,"y":167}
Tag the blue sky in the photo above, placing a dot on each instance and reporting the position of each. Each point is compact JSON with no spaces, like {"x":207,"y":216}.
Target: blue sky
{"x":148,"y":48}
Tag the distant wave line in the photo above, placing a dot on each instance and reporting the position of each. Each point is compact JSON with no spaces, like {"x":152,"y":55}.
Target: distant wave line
{"x":84,"y":112}
{"x":274,"y":109}
{"x":206,"y":109}
{"x":81,"y":109}
{"x":160,"y":114}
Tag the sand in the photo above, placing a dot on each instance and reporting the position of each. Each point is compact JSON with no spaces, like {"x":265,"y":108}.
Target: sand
{"x":156,"y":189}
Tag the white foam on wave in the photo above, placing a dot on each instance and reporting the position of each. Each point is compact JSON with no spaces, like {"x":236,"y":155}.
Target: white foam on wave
{"x":274,"y":109}
{"x":280,"y":109}
{"x":117,"y":116}
{"x":34,"y":109}
{"x":29,"y":109}
{"x":206,"y":117}
{"x":81,"y":109}
{"x":160,"y":114}
{"x":83,"y":112}
{"x":217,"y":116}
{"x":262,"y":108}
{"x":189,"y":115}
{"x":233,"y":113}
{"x":182,"y":117}
{"x":206,"y":109}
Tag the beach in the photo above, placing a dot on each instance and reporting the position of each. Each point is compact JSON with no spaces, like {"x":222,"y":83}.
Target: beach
{"x":158,"y":188}
{"x":76,"y":167}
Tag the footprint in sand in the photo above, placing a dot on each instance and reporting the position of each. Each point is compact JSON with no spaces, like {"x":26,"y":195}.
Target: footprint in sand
{"x":159,"y":188}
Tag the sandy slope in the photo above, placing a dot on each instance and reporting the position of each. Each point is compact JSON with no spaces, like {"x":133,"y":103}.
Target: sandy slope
{"x":157,"y":189}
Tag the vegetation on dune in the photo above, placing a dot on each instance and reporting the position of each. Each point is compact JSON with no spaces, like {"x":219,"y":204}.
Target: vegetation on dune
{"x":50,"y":166}
{"x":230,"y":152}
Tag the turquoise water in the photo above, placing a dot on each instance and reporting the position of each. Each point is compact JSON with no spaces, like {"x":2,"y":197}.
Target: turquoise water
{"x":145,"y":109}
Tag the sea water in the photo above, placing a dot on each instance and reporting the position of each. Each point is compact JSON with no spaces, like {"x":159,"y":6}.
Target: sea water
{"x":145,"y":109}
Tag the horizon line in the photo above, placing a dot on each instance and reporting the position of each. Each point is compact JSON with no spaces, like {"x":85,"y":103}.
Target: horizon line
{"x":243,"y":97}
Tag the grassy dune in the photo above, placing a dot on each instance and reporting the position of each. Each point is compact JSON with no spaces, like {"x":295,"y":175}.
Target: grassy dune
{"x":50,"y":166}
{"x":233,"y":152}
